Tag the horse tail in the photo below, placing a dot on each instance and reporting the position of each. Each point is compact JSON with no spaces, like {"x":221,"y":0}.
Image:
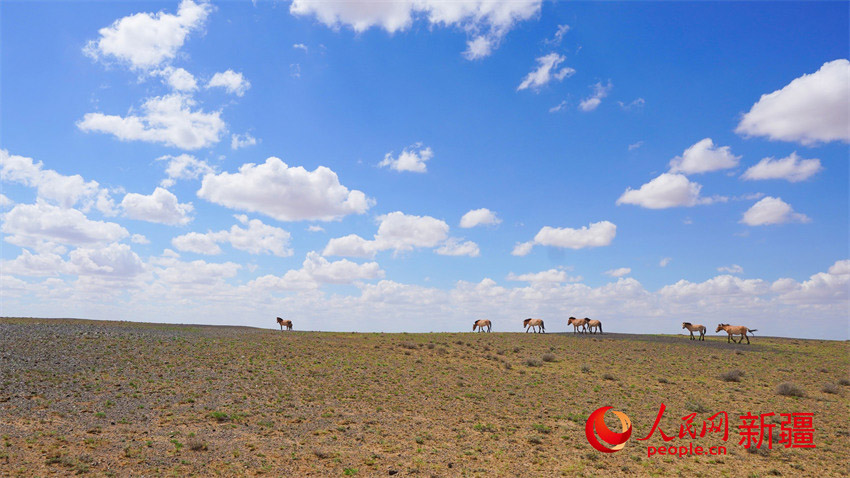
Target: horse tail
{"x":600,"y":327}
{"x":542,"y":325}
{"x":752,"y":330}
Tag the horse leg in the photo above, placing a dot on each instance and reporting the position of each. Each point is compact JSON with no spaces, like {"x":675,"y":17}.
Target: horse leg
{"x":748,"y":338}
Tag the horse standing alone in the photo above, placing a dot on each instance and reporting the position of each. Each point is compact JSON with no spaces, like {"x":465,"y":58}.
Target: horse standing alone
{"x":282,"y":323}
{"x":735,"y":330}
{"x":695,"y":328}
{"x":530,"y":324}
{"x":481,"y":323}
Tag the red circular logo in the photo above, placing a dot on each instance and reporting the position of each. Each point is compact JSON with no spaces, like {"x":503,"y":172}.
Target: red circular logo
{"x":596,"y":422}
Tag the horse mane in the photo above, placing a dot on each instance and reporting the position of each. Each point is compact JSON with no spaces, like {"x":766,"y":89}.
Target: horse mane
{"x":687,"y":323}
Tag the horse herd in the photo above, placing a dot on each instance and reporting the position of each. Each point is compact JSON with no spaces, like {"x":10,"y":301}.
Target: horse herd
{"x":584,"y":325}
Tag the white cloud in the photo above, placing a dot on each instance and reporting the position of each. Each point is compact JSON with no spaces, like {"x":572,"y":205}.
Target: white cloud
{"x":300,"y":46}
{"x":479,"y":217}
{"x":409,"y":160}
{"x":116,"y":260}
{"x":822,"y":289}
{"x":284,"y":193}
{"x":637,"y":103}
{"x":29,"y":264}
{"x":184,"y":166}
{"x":724,"y":287}
{"x":258,"y":238}
{"x":315,"y":228}
{"x":238,"y":141}
{"x":41,"y":226}
{"x":704,"y":157}
{"x":665,"y":261}
{"x":178,"y":79}
{"x":317,"y":270}
{"x":622,"y":271}
{"x":597,"y":234}
{"x":560,"y":106}
{"x":666,"y":191}
{"x":771,"y":210}
{"x":397,"y":231}
{"x":791,"y":168}
{"x":161,"y":206}
{"x":593,"y":101}
{"x":479,"y":47}
{"x":455,"y":247}
{"x":139,"y":239}
{"x":166,"y":119}
{"x":547,"y":70}
{"x":5,"y":201}
{"x":812,"y":108}
{"x":733,"y":269}
{"x":550,"y":276}
{"x":146,"y":40}
{"x":635,"y":146}
{"x":234,"y":83}
{"x":65,"y":191}
{"x":490,"y":20}
{"x":559,"y":35}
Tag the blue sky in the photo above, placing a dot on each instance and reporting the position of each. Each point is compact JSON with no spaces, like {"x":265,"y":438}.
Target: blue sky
{"x":629,"y":167}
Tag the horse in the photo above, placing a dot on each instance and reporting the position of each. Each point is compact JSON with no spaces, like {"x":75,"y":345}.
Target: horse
{"x":735,"y":330}
{"x":530,"y":324}
{"x":481,"y":323}
{"x":576,"y":323}
{"x":594,"y":324}
{"x":287,"y":323}
{"x":695,"y":328}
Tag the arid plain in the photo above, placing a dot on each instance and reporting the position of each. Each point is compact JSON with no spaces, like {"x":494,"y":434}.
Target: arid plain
{"x":119,"y":399}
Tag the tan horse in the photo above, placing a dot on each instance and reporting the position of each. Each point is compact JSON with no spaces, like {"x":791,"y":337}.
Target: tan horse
{"x":594,"y":324}
{"x":480,"y":324}
{"x":576,"y":323}
{"x":695,"y":328}
{"x":530,"y":324}
{"x":735,"y":330}
{"x":286,"y":323}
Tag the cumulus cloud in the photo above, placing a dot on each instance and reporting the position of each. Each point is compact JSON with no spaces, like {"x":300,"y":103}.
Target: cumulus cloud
{"x":411,"y":159}
{"x":147,"y":40}
{"x":316,"y":270}
{"x":597,"y":234}
{"x":549,"y":276}
{"x":458,"y":247}
{"x":239,"y":141}
{"x":622,"y":271}
{"x":733,"y":269}
{"x":178,"y":79}
{"x":115,"y":260}
{"x":161,"y":206}
{"x":479,"y":217}
{"x":812,"y":108}
{"x":771,"y":210}
{"x":42,"y":226}
{"x":821,"y":289}
{"x":791,"y":168}
{"x":547,"y":70}
{"x":168,"y":119}
{"x":666,"y":191}
{"x":665,"y":261}
{"x":184,"y":166}
{"x":593,"y":101}
{"x":487,"y":22}
{"x":703,"y":157}
{"x":234,"y":83}
{"x":53,"y":187}
{"x":397,"y":231}
{"x":257,"y":238}
{"x":284,"y":193}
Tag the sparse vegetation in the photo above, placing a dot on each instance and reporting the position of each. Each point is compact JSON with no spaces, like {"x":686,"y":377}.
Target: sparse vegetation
{"x":548,"y":357}
{"x":206,"y":401}
{"x":789,"y":389}
{"x":830,"y":388}
{"x":732,"y":376}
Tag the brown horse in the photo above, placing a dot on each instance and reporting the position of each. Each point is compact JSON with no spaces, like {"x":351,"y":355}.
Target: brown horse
{"x":286,"y":323}
{"x":695,"y":328}
{"x":594,"y":324}
{"x":576,"y":323}
{"x":530,"y":324}
{"x":735,"y":330}
{"x":481,"y":323}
